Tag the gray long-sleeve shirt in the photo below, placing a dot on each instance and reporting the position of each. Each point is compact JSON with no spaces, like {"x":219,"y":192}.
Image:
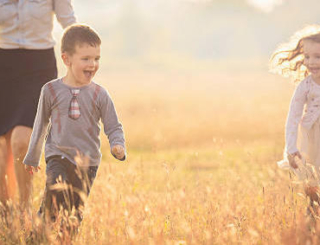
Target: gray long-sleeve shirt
{"x":68,"y":137}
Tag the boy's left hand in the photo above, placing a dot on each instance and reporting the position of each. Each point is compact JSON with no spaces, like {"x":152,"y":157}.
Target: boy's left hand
{"x":118,"y":152}
{"x":31,"y":169}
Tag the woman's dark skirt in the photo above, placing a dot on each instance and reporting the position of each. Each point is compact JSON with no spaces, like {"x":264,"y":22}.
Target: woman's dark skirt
{"x":22,"y":74}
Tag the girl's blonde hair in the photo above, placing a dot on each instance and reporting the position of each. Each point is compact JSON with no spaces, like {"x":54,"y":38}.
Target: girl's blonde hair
{"x":288,"y":59}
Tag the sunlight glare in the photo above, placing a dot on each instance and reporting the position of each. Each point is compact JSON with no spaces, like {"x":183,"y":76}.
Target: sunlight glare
{"x":265,"y":5}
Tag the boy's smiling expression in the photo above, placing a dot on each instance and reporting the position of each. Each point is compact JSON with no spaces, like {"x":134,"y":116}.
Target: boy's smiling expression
{"x":311,"y":51}
{"x":82,"y":65}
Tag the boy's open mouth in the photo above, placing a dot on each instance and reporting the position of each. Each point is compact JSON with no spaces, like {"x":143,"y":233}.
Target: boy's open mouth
{"x":88,"y":73}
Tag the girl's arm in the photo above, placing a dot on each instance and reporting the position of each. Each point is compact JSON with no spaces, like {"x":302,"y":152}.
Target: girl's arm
{"x":294,"y":117}
{"x":64,"y":12}
{"x":39,"y":129}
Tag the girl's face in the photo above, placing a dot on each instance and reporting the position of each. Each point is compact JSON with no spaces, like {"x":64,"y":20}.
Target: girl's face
{"x":311,"y":52}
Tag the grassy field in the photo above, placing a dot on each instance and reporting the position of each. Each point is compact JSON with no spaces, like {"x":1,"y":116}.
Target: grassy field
{"x":201,"y":167}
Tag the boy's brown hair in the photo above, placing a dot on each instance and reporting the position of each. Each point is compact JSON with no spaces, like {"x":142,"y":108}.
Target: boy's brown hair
{"x":78,"y":34}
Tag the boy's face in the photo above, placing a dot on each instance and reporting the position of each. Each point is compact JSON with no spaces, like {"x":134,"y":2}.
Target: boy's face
{"x":82,"y":64}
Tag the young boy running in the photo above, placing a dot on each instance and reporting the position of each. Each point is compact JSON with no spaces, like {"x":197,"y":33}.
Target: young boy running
{"x":68,"y":116}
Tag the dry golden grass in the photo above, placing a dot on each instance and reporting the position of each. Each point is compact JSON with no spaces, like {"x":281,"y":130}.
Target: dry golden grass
{"x":201,"y":166}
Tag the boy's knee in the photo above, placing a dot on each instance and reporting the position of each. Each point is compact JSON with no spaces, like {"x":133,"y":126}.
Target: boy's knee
{"x":56,"y":185}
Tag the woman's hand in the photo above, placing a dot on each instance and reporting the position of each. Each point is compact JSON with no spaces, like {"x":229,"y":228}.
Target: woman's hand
{"x":291,"y":157}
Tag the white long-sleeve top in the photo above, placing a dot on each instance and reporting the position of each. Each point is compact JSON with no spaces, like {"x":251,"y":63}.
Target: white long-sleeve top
{"x":306,"y":96}
{"x":28,"y":24}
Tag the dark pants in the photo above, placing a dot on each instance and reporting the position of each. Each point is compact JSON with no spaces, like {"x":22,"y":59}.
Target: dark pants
{"x":67,"y":187}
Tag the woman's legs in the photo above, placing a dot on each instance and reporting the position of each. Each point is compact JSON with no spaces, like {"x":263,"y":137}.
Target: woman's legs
{"x":19,"y":142}
{"x":4,"y":196}
{"x":7,"y":175}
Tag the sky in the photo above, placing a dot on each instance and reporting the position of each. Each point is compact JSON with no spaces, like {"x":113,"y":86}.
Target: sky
{"x":165,"y":33}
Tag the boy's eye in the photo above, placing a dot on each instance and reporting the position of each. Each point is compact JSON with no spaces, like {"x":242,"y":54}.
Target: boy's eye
{"x":85,"y":58}
{"x":97,"y":59}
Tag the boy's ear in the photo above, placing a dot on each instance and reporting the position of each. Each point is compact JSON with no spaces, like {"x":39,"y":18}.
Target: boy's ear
{"x":66,"y":58}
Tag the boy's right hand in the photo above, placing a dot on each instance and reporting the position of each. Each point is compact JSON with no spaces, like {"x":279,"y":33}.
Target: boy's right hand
{"x":291,"y":157}
{"x":31,"y":169}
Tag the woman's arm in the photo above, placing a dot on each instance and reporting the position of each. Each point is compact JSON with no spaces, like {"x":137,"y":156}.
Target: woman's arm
{"x":64,"y":12}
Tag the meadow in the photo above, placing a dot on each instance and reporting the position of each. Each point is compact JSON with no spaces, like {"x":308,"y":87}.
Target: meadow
{"x":201,"y":166}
